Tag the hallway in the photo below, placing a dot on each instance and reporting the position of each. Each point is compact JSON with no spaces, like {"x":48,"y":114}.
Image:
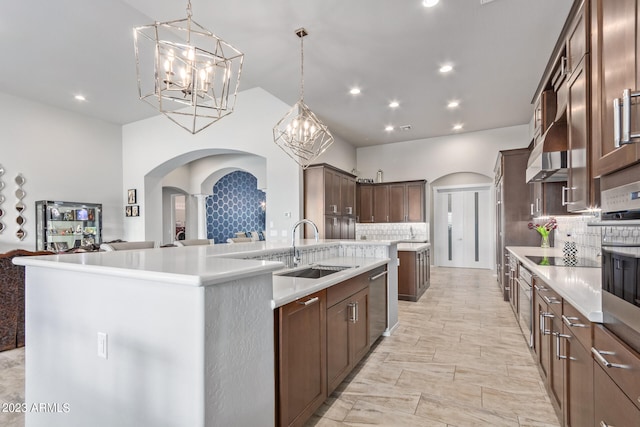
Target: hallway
{"x":458,"y":359}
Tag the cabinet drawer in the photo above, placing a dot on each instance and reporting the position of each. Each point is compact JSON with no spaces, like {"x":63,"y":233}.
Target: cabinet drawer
{"x":548,"y":295}
{"x":624,"y":363}
{"x":341,"y":291}
{"x":578,"y":324}
{"x":611,"y":405}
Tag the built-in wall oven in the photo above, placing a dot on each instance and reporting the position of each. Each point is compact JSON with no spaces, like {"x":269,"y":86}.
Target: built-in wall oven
{"x":525,"y":302}
{"x":621,"y":262}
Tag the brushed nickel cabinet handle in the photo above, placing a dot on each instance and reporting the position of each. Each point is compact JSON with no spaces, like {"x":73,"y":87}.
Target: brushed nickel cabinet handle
{"x":377,"y":276}
{"x":598,"y":354}
{"x":568,"y":321}
{"x":552,"y":300}
{"x":309,"y":301}
{"x":616,"y":122}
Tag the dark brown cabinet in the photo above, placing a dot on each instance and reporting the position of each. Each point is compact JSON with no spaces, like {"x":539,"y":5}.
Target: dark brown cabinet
{"x":301,"y":358}
{"x":546,"y":199}
{"x":578,"y":373}
{"x":614,"y":42}
{"x":347,"y":328}
{"x":392,"y":202}
{"x":413,"y":274}
{"x":617,"y":390}
{"x":329,"y":201}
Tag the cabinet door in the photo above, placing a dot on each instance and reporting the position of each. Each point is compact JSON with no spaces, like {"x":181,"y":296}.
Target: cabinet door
{"x":301,"y":373}
{"x":365,"y":203}
{"x":577,"y":114}
{"x":347,"y":227}
{"x":617,"y":51}
{"x":359,"y":326}
{"x":555,"y":378}
{"x":611,"y":406}
{"x":348,"y":196}
{"x":332,"y":181}
{"x":338,"y":357}
{"x":578,"y":382}
{"x":415,"y":202}
{"x":381,"y":203}
{"x":543,"y":343}
{"x":331,"y":227}
{"x":407,"y":275}
{"x":397,"y":198}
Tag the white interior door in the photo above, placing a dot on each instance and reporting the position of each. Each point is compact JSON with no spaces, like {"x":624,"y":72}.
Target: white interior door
{"x":463,"y":227}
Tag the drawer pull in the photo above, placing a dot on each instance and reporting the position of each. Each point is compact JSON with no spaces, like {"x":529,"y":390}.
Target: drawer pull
{"x":309,"y":301}
{"x":603,"y":424}
{"x":568,"y":321}
{"x":377,"y":276}
{"x":552,"y":300}
{"x":604,"y":362}
{"x":540,"y":288}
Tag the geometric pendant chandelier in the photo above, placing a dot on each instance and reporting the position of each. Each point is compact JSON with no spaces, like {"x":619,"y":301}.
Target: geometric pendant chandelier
{"x":186,"y":72}
{"x":300,"y":133}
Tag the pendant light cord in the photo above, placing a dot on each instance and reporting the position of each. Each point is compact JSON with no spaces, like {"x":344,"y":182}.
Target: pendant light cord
{"x":302,"y":67}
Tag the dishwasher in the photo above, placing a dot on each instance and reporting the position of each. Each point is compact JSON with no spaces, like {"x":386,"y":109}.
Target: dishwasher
{"x":525,"y":302}
{"x":377,"y":303}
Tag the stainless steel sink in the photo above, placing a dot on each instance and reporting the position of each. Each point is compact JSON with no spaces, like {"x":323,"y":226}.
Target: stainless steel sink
{"x":316,"y":271}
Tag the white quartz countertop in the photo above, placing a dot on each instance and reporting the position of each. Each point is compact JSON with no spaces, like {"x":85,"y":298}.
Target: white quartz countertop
{"x":580,"y":286}
{"x":288,"y":289}
{"x":192,"y":265}
{"x":413,"y":247}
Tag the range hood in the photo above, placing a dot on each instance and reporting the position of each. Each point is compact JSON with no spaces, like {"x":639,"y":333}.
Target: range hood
{"x":548,"y":159}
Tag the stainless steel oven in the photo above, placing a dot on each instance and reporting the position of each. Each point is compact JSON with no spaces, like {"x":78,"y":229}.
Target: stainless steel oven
{"x":525,"y":302}
{"x":621,"y":262}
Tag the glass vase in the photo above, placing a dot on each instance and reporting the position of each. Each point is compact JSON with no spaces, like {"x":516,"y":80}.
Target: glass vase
{"x":545,"y":242}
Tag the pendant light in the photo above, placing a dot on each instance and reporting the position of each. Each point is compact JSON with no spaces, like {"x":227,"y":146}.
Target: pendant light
{"x":186,"y":72}
{"x":300,"y":133}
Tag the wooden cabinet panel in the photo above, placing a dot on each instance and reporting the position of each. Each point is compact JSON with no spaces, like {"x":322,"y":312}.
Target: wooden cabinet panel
{"x":615,"y":45}
{"x":347,"y":336}
{"x":397,"y":197}
{"x":578,"y":399}
{"x":415,"y":202}
{"x":381,"y":203}
{"x":365,"y":203}
{"x":555,"y":378}
{"x":301,"y":358}
{"x":413,"y":274}
{"x":579,"y":193}
{"x":611,"y":406}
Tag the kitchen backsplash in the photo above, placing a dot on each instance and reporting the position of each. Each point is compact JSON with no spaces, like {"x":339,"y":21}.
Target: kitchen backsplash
{"x":587,"y":238}
{"x":393,"y":231}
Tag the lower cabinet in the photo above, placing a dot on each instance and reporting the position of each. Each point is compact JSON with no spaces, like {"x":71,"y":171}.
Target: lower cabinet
{"x":612,"y":407}
{"x":347,"y":336}
{"x":413,"y":274}
{"x":301,"y":373}
{"x":320,"y":338}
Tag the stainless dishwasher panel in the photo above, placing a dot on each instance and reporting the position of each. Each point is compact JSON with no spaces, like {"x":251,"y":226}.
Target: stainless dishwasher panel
{"x":377,"y":303}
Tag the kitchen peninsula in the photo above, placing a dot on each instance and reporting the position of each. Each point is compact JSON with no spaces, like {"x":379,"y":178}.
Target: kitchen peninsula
{"x":171,"y":336}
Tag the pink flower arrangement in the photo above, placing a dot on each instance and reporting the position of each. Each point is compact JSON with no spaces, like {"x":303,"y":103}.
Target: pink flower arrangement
{"x":546,"y":228}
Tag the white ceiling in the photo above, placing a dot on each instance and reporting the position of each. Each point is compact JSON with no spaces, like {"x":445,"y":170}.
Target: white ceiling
{"x":391,"y":49}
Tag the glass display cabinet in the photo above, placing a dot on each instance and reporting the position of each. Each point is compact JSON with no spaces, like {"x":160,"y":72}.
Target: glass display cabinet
{"x":65,"y":225}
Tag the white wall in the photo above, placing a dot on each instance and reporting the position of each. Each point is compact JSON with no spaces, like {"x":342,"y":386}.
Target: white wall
{"x":63,"y":156}
{"x":433,"y":158}
{"x":154,"y":147}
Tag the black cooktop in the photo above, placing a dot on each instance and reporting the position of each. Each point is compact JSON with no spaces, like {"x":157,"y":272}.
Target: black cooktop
{"x":560,"y":262}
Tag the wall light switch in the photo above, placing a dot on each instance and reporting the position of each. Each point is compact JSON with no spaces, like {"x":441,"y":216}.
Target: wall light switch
{"x":102,"y":345}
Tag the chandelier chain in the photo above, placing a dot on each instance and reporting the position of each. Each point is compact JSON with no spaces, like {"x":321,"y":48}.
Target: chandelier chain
{"x":302,"y":67}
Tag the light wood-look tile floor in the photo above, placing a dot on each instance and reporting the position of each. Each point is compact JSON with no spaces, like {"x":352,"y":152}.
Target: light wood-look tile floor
{"x":458,"y":359}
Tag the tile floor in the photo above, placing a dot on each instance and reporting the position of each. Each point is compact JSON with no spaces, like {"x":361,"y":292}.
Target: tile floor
{"x":458,"y":359}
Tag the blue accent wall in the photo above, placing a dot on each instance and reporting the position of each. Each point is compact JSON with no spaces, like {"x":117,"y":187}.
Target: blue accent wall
{"x":235,"y":205}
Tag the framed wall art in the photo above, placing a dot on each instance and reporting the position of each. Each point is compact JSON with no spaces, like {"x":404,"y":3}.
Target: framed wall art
{"x":132,"y":197}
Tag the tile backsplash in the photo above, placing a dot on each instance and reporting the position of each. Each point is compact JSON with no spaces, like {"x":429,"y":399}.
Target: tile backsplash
{"x":587,"y":238}
{"x":393,"y":231}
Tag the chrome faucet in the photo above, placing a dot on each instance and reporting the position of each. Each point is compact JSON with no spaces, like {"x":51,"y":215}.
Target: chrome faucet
{"x":296,"y":258}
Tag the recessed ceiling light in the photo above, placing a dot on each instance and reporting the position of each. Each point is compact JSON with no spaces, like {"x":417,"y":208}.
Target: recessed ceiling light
{"x":80,"y":98}
{"x":457,"y":127}
{"x":354,"y":91}
{"x":394,"y":104}
{"x":453,"y":104}
{"x":388,"y":128}
{"x":430,"y":3}
{"x":446,"y":68}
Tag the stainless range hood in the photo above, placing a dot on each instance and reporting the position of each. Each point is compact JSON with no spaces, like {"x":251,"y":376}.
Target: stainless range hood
{"x":548,"y":160}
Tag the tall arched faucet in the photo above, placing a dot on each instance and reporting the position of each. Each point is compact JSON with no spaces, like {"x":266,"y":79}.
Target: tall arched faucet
{"x":296,"y":258}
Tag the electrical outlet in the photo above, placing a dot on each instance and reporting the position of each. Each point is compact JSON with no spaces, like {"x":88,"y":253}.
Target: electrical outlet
{"x":102,"y":345}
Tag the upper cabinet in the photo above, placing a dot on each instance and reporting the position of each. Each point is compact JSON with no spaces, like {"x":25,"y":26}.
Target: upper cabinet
{"x":614,"y":29}
{"x":392,"y":202}
{"x":330,"y":201}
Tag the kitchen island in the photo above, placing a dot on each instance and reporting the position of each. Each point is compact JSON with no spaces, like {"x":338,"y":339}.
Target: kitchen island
{"x":168,"y":336}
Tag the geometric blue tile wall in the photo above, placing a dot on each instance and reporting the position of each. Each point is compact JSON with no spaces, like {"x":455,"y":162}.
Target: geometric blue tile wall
{"x":235,"y":205}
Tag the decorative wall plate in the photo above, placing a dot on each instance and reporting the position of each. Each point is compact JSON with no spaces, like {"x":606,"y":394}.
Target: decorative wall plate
{"x":20,"y":207}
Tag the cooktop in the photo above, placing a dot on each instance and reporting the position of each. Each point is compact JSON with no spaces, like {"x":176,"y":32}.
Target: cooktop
{"x":560,"y":262}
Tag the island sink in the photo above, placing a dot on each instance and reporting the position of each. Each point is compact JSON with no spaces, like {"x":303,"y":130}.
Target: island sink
{"x":316,"y":271}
